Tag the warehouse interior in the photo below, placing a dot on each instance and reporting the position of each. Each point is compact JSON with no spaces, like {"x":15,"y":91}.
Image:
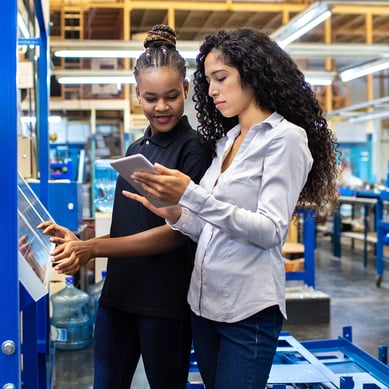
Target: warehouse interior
{"x":72,"y":110}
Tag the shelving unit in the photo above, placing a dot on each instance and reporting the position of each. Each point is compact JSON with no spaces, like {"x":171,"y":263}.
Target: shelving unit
{"x":21,"y":342}
{"x":68,"y":24}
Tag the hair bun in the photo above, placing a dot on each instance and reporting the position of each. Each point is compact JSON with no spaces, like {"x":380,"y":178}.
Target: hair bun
{"x":160,"y":35}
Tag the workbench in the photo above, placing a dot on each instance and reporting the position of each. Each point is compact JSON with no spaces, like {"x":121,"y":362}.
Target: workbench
{"x":374,"y":231}
{"x":368,"y":206}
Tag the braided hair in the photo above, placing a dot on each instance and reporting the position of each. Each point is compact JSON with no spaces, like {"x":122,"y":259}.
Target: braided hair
{"x":160,"y":51}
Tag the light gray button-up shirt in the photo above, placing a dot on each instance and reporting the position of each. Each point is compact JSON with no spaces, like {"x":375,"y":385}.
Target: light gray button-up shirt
{"x":240,"y":219}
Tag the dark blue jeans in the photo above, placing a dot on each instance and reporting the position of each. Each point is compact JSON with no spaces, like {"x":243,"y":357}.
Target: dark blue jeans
{"x":121,"y":338}
{"x":237,"y":355}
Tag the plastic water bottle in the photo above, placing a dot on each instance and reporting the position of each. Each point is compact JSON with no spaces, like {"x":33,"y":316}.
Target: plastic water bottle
{"x":105,"y":182}
{"x":70,"y":319}
{"x":94,"y":291}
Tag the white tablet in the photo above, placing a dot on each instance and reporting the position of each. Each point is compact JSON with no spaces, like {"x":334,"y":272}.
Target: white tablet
{"x":137,"y":162}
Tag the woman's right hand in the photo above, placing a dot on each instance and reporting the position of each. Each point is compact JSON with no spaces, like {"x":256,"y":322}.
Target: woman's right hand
{"x":59,"y":234}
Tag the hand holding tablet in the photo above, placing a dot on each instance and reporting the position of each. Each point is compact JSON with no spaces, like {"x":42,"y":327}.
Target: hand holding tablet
{"x":137,"y":162}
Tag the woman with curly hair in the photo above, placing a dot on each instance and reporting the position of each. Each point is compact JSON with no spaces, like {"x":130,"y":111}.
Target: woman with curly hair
{"x":273,"y":154}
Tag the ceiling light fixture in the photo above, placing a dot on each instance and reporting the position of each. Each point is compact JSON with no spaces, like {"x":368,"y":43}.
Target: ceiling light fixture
{"x":32,"y":119}
{"x":358,"y":51}
{"x":354,"y":113}
{"x":369,"y":116}
{"x":319,"y":78}
{"x":71,"y":48}
{"x":364,"y":69}
{"x":96,"y":77}
{"x":302,"y":23}
{"x":318,"y":81}
{"x":102,"y":80}
{"x":355,"y":107}
{"x":97,"y":53}
{"x":95,"y":80}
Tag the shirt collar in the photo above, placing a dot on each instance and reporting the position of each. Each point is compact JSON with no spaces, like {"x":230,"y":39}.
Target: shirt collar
{"x":163,"y":139}
{"x":271,"y":121}
{"x":274,"y":119}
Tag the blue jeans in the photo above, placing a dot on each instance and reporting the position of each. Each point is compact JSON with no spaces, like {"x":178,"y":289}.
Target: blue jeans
{"x":237,"y":355}
{"x":121,"y":338}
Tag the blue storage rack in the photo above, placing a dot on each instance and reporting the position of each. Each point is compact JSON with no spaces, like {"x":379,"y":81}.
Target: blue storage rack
{"x":322,"y":364}
{"x":382,"y":238}
{"x":336,"y":363}
{"x":35,"y":348}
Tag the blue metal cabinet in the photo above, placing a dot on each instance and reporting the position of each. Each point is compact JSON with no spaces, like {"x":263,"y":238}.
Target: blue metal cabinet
{"x":9,"y":286}
{"x":65,"y":202}
{"x":33,"y":344}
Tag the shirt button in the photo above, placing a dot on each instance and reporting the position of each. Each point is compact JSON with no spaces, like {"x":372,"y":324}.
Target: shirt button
{"x":147,"y":142}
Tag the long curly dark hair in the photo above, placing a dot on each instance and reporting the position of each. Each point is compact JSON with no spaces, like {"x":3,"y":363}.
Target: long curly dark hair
{"x":279,"y":86}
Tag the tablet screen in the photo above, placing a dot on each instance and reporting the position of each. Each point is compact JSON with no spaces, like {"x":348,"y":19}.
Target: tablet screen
{"x":137,"y":162}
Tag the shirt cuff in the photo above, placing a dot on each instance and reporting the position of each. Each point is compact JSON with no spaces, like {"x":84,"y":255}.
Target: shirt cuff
{"x":191,"y":202}
{"x":182,"y":223}
{"x":193,"y":197}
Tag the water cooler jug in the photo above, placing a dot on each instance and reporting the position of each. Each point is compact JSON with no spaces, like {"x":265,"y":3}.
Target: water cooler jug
{"x":70,"y":320}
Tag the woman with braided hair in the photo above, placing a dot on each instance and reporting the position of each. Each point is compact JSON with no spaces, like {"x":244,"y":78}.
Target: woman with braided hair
{"x":143,"y":309}
{"x":273,"y":154}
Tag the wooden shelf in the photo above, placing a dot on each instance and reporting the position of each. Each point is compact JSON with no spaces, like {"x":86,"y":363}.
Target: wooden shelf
{"x":370,"y":238}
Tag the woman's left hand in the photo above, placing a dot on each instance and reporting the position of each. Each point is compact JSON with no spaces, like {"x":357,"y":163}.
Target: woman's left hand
{"x":70,"y":256}
{"x":170,"y":213}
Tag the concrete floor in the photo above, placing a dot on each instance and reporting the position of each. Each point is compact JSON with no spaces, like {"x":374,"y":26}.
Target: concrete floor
{"x":355,"y":301}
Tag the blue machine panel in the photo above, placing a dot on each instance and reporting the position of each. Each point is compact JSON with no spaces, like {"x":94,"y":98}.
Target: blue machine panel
{"x":65,"y":202}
